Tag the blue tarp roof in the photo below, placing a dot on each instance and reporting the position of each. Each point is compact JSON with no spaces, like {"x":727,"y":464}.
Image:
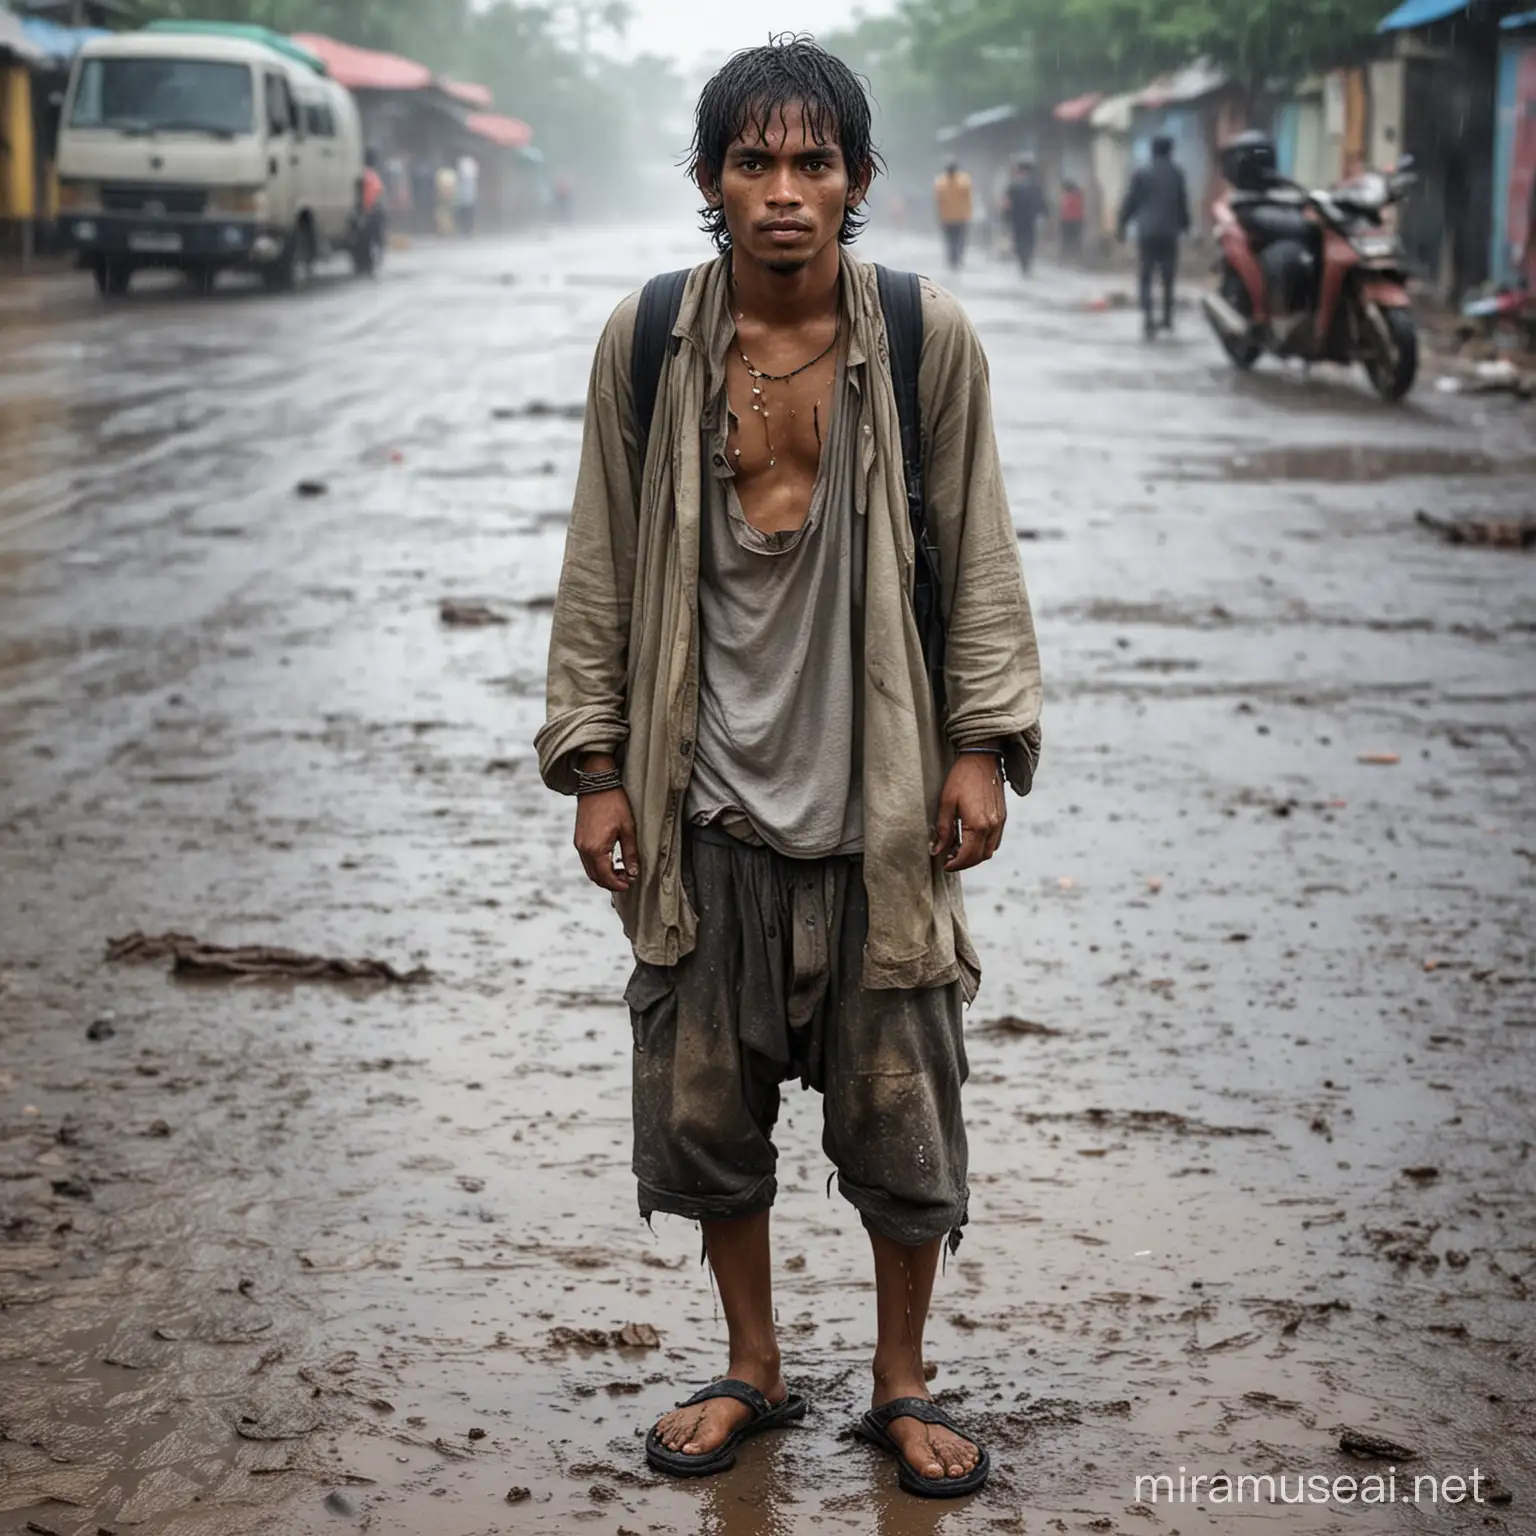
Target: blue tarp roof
{"x":1419,"y":13}
{"x":58,"y":42}
{"x":983,"y":119}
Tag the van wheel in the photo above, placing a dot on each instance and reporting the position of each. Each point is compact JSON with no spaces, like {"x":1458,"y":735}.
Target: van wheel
{"x":112,"y":277}
{"x":295,"y":264}
{"x":277,"y":276}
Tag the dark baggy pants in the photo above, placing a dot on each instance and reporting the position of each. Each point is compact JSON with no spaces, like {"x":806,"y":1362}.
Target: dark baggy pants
{"x":1024,"y":245}
{"x":1161,"y":257}
{"x":773,"y":991}
{"x":955,"y":236}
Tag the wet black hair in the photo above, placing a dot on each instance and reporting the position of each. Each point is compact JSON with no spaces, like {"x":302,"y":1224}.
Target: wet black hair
{"x":755,"y":85}
{"x":1162,"y":146}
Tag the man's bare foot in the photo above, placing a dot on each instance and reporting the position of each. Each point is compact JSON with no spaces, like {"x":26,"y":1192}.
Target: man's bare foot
{"x":708,"y":1425}
{"x":929,"y":1449}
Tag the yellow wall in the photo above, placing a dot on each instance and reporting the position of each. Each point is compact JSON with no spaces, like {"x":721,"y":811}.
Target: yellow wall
{"x":18,"y":190}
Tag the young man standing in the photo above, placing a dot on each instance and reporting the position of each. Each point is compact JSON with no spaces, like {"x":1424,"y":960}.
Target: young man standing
{"x":739,"y":698}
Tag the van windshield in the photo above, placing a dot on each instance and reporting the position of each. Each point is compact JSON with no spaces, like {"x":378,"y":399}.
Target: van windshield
{"x":164,"y":95}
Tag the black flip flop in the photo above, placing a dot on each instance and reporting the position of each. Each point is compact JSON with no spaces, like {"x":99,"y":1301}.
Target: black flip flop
{"x":875,"y":1428}
{"x":765,"y":1415}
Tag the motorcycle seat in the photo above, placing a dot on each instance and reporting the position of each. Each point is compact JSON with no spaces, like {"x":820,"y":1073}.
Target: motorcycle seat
{"x":1269,"y":222}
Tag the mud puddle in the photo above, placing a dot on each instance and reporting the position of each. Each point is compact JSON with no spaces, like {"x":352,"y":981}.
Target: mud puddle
{"x":1365,"y":464}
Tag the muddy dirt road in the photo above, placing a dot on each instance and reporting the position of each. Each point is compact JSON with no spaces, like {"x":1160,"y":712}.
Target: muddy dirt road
{"x":1251,"y":1107}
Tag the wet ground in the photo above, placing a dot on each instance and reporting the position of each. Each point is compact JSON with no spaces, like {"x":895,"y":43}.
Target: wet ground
{"x":1251,"y":1103}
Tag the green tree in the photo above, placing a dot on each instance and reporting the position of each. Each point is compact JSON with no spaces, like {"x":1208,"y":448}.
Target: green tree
{"x":939,"y":59}
{"x":1261,"y":46}
{"x":395,"y":25}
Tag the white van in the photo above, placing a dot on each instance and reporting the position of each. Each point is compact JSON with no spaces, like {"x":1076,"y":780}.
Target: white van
{"x":330,"y":136}
{"x":205,"y":152}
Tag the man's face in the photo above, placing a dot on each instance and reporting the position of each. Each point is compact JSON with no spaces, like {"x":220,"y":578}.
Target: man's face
{"x":784,"y":194}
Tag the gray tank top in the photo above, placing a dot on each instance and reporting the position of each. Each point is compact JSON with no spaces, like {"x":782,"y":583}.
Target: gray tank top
{"x":777,"y":754}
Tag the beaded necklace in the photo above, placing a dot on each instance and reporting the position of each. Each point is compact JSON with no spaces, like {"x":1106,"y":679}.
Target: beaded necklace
{"x":759,"y":378}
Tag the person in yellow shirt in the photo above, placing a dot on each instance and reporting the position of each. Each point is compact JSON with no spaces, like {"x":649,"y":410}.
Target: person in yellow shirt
{"x":952,"y":199}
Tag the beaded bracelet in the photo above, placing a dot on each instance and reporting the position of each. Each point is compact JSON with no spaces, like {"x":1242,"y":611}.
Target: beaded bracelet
{"x":598,"y":783}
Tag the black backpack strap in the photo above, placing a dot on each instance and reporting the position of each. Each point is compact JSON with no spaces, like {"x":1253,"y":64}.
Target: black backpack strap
{"x":901,"y":299}
{"x":660,"y":301}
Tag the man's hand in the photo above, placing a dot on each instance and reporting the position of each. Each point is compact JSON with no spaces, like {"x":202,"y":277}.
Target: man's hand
{"x":601,"y":822}
{"x":972,"y":812}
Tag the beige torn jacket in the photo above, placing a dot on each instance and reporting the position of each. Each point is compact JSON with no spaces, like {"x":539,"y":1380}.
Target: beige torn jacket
{"x":624,"y":653}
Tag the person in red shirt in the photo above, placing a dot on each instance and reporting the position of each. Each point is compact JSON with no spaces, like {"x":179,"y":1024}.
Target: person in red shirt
{"x":1073,"y":208}
{"x":369,"y":229}
{"x":372,"y":187}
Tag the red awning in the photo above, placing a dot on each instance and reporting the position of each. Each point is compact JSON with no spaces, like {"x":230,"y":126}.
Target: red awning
{"x":361,"y":69}
{"x":507,"y":132}
{"x":471,"y":95}
{"x":1076,"y":110}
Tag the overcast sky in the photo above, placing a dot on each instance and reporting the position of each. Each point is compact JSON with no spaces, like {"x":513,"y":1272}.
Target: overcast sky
{"x":705,"y":30}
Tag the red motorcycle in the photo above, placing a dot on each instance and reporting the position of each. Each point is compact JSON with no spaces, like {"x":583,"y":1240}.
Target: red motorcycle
{"x":1312,"y":275}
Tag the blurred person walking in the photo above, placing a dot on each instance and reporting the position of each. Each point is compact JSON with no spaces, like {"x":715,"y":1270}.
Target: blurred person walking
{"x":1157,"y":200}
{"x":954,"y":204}
{"x":468,"y":200}
{"x":397,"y":182}
{"x":423,"y":194}
{"x":1073,"y":212}
{"x":447,"y":190}
{"x":738,"y":573}
{"x":370,"y":226}
{"x":1023,"y":207}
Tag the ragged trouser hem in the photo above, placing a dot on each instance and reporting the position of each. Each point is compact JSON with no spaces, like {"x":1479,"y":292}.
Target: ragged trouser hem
{"x":666,"y":1202}
{"x":901,"y":1223}
{"x":905,"y":1224}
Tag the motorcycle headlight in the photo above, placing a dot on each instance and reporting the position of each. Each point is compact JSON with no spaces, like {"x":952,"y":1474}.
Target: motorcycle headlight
{"x":78,"y":196}
{"x":1376,"y":246}
{"x":235,"y":202}
{"x":1367,"y":191}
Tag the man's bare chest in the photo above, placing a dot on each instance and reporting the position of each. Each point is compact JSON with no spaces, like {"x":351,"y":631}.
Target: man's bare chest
{"x":779,"y":424}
